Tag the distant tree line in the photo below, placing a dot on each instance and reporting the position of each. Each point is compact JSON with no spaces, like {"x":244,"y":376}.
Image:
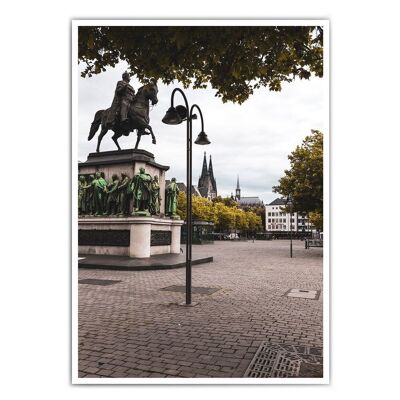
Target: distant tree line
{"x":223,"y":212}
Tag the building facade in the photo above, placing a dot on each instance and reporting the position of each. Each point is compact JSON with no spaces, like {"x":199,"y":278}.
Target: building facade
{"x":277,"y":219}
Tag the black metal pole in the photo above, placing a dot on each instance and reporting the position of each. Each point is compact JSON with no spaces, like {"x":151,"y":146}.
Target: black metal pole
{"x":189,"y":117}
{"x":189,"y":213}
{"x":188,"y":197}
{"x":291,"y":249}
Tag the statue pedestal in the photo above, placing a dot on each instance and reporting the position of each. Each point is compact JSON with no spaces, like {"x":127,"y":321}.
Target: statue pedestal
{"x":125,"y":161}
{"x":136,"y":237}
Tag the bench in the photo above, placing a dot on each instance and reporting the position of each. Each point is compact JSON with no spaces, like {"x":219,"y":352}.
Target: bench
{"x":314,"y":243}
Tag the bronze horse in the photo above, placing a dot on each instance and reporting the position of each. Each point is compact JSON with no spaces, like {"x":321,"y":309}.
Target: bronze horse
{"x":138,"y":118}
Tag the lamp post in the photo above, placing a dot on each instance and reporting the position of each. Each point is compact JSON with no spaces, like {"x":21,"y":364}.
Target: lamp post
{"x":175,"y":116}
{"x":289,"y":203}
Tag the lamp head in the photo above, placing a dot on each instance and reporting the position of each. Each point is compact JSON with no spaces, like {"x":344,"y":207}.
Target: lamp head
{"x":175,"y":115}
{"x":172,"y":117}
{"x":182,"y":111}
{"x":202,"y":139}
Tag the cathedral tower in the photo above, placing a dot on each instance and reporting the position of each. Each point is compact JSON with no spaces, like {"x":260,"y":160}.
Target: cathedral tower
{"x":207,"y":184}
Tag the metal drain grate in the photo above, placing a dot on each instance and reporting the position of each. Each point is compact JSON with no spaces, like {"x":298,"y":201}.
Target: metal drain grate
{"x":286,"y":361}
{"x":303,"y":293}
{"x":195,"y":290}
{"x":101,"y":282}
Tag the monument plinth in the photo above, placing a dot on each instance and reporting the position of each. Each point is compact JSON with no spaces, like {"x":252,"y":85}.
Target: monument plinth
{"x":122,"y":209}
{"x":127,"y":161}
{"x":137,"y":237}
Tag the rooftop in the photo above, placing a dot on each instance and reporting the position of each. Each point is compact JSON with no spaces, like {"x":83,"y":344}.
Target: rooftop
{"x":250,"y":200}
{"x":182,"y":187}
{"x":278,"y":202}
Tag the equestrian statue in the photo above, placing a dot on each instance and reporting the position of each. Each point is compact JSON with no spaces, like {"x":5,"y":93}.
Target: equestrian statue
{"x":128,"y":111}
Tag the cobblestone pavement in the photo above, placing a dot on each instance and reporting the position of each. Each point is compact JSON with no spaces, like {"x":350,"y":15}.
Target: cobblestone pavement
{"x":134,"y":329}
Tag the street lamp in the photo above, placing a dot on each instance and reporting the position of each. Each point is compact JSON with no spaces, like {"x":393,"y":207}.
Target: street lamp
{"x":289,"y":203}
{"x":175,"y":116}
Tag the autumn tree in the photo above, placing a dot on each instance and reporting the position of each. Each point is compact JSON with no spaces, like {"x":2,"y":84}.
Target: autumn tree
{"x":228,"y":201}
{"x":316,"y":219}
{"x":234,"y":60}
{"x":202,"y":209}
{"x":259,"y":210}
{"x":226,"y":218}
{"x":254,"y":222}
{"x":181,"y":205}
{"x":304,"y":180}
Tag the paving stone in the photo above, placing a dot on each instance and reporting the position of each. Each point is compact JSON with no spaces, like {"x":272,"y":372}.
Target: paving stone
{"x":90,"y":370}
{"x":137,"y":330}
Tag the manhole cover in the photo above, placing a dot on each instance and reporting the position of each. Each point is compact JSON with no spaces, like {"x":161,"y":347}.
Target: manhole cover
{"x":303,"y":293}
{"x":286,"y":361}
{"x":101,"y":282}
{"x":195,"y":290}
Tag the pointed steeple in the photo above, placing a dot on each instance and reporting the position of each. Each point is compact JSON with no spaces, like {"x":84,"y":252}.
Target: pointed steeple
{"x":211,"y":173}
{"x":210,"y":168}
{"x":204,"y":172}
{"x":204,"y":169}
{"x":237,"y":189}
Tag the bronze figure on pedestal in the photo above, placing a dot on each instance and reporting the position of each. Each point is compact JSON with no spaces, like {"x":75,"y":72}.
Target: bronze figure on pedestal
{"x":127,"y":113}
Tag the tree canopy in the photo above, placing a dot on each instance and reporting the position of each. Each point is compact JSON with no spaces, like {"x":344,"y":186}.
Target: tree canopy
{"x":304,"y":180}
{"x":234,"y":60}
{"x":227,"y":216}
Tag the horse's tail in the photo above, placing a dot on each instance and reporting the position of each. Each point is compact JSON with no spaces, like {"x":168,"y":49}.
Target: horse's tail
{"x":95,"y":124}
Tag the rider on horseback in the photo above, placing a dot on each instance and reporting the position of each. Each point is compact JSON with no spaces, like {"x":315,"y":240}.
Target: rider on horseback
{"x":123,"y":98}
{"x":129,"y":111}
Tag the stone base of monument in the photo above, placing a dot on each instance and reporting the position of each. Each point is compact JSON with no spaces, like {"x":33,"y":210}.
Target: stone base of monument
{"x":128,"y":161}
{"x":134,"y":237}
{"x":123,"y":263}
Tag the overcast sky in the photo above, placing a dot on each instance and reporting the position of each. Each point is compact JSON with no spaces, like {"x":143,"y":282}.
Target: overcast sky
{"x":251,"y":140}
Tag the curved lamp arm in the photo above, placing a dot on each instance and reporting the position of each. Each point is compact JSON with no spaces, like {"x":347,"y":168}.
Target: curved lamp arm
{"x":183,"y":95}
{"x":201,"y":115}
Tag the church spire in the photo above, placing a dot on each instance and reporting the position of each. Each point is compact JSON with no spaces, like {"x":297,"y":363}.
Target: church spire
{"x":204,"y":171}
{"x":237,"y":189}
{"x":211,"y":173}
{"x":210,"y":168}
